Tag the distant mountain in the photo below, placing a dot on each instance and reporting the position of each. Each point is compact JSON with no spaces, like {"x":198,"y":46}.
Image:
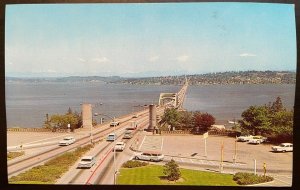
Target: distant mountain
{"x":65,"y":79}
{"x":223,"y":78}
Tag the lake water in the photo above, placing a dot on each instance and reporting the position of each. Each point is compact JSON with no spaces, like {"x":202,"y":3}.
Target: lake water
{"x":28,"y":103}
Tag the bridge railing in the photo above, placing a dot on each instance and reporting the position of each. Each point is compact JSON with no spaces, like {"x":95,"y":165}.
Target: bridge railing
{"x":29,"y":130}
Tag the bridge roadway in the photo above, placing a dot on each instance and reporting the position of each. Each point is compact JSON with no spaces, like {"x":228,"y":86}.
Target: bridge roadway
{"x":43,"y":153}
{"x":42,"y":149}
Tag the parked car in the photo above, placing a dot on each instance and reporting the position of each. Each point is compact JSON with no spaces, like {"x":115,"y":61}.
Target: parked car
{"x":127,"y":135}
{"x":149,"y":156}
{"x":66,"y":141}
{"x":86,"y":162}
{"x":244,"y":138}
{"x":111,"y":137}
{"x":114,"y":123}
{"x":283,"y":147}
{"x":120,"y":146}
{"x":257,"y":140}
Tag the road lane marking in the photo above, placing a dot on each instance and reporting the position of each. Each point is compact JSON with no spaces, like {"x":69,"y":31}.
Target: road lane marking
{"x":142,"y":143}
{"x":162,"y":143}
{"x":282,"y":181}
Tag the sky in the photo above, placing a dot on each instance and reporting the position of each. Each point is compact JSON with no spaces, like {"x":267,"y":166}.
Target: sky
{"x":142,"y":40}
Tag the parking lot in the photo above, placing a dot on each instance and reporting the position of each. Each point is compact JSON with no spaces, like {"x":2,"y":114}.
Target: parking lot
{"x":190,"y":148}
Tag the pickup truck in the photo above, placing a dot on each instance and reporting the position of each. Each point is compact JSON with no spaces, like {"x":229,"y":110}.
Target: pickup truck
{"x":120,"y":146}
{"x":283,"y":147}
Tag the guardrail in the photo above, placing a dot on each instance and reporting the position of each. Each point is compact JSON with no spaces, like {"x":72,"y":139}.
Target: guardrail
{"x":36,"y":130}
{"x":175,"y":132}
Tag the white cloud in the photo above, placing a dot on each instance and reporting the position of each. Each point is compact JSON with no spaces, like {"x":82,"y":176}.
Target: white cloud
{"x":247,"y":55}
{"x":154,"y":58}
{"x":101,"y":60}
{"x":182,"y":58}
{"x":81,"y":59}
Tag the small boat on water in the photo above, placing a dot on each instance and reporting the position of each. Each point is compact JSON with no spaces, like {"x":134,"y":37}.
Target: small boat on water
{"x":232,"y":122}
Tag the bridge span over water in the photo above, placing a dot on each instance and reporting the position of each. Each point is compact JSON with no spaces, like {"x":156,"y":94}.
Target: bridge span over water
{"x":173,"y":100}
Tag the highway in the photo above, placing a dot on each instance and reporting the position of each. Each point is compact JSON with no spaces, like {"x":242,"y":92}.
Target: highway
{"x":103,"y":171}
{"x":15,"y":167}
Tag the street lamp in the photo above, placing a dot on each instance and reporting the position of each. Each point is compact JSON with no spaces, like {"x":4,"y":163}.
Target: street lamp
{"x":114,"y":164}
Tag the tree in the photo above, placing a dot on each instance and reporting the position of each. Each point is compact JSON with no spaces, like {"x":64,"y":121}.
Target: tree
{"x":62,"y":121}
{"x":277,"y":105}
{"x":171,"y":117}
{"x":171,"y":170}
{"x":255,"y":120}
{"x":186,"y":120}
{"x":203,"y":121}
{"x":70,"y":111}
{"x":273,"y":121}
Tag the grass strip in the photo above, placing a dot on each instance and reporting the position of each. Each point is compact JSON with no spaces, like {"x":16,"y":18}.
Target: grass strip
{"x":12,"y":155}
{"x":51,"y":170}
{"x":153,"y":175}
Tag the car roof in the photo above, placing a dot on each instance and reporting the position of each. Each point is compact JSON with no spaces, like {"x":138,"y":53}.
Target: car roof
{"x":87,"y":157}
{"x":152,"y":152}
{"x":287,"y":143}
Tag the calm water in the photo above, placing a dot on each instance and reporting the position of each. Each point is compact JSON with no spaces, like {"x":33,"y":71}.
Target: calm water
{"x":28,"y":103}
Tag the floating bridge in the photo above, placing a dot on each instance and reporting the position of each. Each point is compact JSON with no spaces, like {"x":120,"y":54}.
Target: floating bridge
{"x":173,"y":100}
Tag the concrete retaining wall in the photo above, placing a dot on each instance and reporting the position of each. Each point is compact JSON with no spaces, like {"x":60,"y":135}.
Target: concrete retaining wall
{"x":36,"y":130}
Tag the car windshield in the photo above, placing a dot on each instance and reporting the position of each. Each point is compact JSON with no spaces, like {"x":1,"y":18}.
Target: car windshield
{"x":86,"y":160}
{"x":67,"y":138}
{"x":282,"y":145}
{"x":119,"y":144}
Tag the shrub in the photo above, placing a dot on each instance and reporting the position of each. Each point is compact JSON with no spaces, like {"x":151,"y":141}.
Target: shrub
{"x":52,"y":169}
{"x":12,"y":155}
{"x":134,"y":164}
{"x":171,"y":170}
{"x":250,"y":178}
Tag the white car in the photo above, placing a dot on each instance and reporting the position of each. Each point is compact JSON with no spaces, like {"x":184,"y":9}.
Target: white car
{"x":67,"y":141}
{"x":127,"y":135}
{"x":149,"y":156}
{"x":114,"y":123}
{"x":86,"y":162}
{"x":283,"y":147}
{"x":244,"y":138}
{"x":120,"y":146}
{"x":111,"y":137}
{"x":257,"y":140}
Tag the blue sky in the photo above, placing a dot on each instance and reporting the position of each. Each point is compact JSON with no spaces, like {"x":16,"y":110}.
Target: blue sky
{"x":148,"y":39}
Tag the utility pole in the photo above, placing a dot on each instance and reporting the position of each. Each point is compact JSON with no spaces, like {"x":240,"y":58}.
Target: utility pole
{"x":222,"y":151}
{"x":235,"y":150}
{"x":205,"y":136}
{"x":114,"y":152}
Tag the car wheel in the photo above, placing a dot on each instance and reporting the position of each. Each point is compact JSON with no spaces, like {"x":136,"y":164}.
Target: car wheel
{"x":283,"y":151}
{"x":151,"y":160}
{"x":136,"y":158}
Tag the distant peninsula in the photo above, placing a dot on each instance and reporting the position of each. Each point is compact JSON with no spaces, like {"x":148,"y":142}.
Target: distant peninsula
{"x":221,"y":78}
